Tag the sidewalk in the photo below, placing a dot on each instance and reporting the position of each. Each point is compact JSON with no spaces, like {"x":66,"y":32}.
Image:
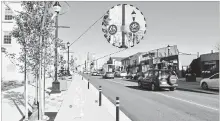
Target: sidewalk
{"x":13,"y":102}
{"x":80,"y":104}
{"x":194,"y":86}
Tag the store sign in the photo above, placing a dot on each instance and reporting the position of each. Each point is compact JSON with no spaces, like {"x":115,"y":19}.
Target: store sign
{"x":210,"y":63}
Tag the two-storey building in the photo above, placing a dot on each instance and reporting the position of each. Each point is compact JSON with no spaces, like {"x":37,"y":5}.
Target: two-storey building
{"x":9,"y":44}
{"x":117,"y":62}
{"x":132,"y":63}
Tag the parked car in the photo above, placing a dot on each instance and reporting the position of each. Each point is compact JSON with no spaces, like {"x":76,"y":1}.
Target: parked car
{"x":99,"y":74}
{"x":109,"y":75}
{"x":137,"y":75}
{"x":117,"y":74}
{"x":129,"y":76}
{"x":156,"y":79}
{"x":123,"y":74}
{"x":94,"y":73}
{"x":211,"y":82}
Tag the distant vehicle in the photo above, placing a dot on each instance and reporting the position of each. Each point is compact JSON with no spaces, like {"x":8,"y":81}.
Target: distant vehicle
{"x":123,"y":74}
{"x":155,"y":79}
{"x":94,"y":73}
{"x":99,"y":73}
{"x":109,"y":75}
{"x":211,"y":82}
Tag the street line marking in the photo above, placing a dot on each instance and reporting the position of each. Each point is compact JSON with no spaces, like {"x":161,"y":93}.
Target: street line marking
{"x":191,"y":102}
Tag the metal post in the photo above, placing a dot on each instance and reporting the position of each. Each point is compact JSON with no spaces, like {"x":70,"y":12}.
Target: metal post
{"x":82,"y":77}
{"x":117,"y":108}
{"x":88,"y":83}
{"x":56,"y":83}
{"x":123,"y":25}
{"x":100,"y":95}
{"x":68,"y":61}
{"x":56,"y":37}
{"x":168,"y":52}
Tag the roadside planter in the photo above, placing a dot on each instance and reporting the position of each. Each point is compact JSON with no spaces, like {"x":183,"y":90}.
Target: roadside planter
{"x":190,"y":77}
{"x":63,"y":84}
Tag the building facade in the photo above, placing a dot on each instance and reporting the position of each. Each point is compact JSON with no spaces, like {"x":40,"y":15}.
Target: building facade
{"x":209,"y":64}
{"x":117,"y":62}
{"x":167,"y":57}
{"x":10,"y":71}
{"x":131,"y":64}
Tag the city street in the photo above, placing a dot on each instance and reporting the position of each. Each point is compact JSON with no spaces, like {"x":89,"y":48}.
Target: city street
{"x":144,"y":105}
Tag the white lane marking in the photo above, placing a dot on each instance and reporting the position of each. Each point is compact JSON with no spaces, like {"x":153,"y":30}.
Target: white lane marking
{"x":120,"y":83}
{"x":191,"y":102}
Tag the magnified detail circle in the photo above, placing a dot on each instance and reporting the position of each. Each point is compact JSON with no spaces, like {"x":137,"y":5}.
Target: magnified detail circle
{"x":124,"y":26}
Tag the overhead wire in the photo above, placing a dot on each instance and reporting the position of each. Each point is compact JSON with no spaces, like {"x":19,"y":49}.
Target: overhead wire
{"x":86,"y":30}
{"x":104,"y":56}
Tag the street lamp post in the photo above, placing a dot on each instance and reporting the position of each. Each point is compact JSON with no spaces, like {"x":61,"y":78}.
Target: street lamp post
{"x":168,"y":50}
{"x":133,"y":14}
{"x":56,"y":83}
{"x":168,"y":55}
{"x":123,"y":27}
{"x":68,"y":71}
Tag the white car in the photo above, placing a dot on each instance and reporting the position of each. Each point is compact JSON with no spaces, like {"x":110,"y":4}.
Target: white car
{"x":123,"y":74}
{"x":211,"y":82}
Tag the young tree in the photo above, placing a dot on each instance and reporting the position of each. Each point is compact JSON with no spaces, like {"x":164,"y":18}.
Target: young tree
{"x":33,"y":23}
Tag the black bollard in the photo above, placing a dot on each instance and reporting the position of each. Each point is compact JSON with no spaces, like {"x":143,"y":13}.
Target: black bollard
{"x":100,"y":95}
{"x":38,"y":110}
{"x":82,"y":77}
{"x":117,"y":108}
{"x":88,"y":83}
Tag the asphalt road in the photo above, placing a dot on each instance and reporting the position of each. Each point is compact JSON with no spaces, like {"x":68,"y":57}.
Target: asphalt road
{"x":144,"y":105}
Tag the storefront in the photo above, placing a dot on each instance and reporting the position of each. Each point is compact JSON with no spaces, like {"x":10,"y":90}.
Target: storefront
{"x":209,"y":64}
{"x":171,"y":62}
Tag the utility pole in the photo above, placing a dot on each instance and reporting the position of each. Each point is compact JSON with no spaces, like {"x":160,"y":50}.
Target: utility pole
{"x":123,"y":26}
{"x":85,"y":66}
{"x":56,"y":83}
{"x":88,"y":61}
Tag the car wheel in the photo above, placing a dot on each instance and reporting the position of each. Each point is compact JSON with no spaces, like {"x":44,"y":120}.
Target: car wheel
{"x":172,"y":89}
{"x":139,"y":84}
{"x":204,"y":85}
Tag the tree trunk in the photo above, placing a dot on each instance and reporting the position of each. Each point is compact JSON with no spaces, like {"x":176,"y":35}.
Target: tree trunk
{"x":41,"y":109}
{"x":26,"y":84}
{"x":36,"y":89}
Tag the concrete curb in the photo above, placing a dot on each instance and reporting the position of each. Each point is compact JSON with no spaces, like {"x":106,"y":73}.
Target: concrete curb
{"x":197,"y":90}
{"x":110,"y":107}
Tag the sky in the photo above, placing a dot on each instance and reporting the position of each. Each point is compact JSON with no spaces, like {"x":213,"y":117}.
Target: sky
{"x":192,"y":26}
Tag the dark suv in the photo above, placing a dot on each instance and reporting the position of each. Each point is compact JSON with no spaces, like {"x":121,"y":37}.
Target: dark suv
{"x":155,"y":79}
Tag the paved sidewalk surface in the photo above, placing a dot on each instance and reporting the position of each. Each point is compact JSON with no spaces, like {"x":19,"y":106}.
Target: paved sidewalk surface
{"x":194,"y":86}
{"x":80,"y":104}
{"x":13,"y":102}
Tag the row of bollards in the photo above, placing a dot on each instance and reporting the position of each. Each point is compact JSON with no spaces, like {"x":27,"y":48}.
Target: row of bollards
{"x":100,"y":101}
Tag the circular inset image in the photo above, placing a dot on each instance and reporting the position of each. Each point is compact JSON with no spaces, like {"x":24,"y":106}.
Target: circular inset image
{"x":124,"y":26}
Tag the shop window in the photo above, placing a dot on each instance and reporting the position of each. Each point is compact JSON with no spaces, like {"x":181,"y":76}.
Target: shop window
{"x":8,"y":14}
{"x":7,"y":38}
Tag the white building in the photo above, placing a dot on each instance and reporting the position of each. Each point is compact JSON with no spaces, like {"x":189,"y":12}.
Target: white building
{"x":9,"y":69}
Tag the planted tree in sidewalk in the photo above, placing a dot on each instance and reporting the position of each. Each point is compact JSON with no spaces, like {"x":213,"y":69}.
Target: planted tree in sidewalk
{"x":31,"y":25}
